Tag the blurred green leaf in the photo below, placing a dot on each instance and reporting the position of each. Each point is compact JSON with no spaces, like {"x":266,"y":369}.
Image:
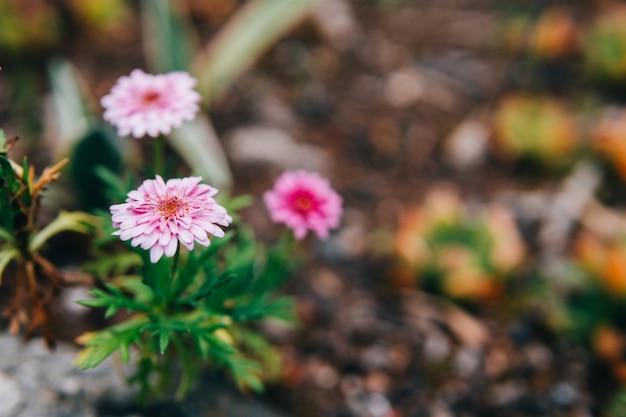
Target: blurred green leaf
{"x":198,"y":144}
{"x":71,"y":115}
{"x":6,"y":256}
{"x":98,"y":150}
{"x":256,"y":27}
{"x":169,"y":44}
{"x":99,"y":345}
{"x":65,"y":221}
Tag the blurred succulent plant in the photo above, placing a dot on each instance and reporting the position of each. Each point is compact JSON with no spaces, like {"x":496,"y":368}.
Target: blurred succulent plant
{"x":590,"y":297}
{"x":537,"y":128}
{"x":448,"y":251}
{"x":109,"y":17}
{"x":604,"y":262}
{"x":552,"y":35}
{"x":605,"y":46}
{"x":609,"y":139}
{"x":28,"y":24}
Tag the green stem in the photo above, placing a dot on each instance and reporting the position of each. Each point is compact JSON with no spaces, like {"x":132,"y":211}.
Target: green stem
{"x":175,"y":263}
{"x":187,"y":376}
{"x":159,"y":151}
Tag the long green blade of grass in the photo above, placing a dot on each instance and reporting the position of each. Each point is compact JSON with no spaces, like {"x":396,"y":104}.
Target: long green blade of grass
{"x":257,"y":26}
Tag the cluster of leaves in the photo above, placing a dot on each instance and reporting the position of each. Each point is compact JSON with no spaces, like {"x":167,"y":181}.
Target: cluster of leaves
{"x":179,"y":314}
{"x":587,"y":299}
{"x":453,"y":253}
{"x":569,"y":82}
{"x":197,"y":308}
{"x":36,"y":280}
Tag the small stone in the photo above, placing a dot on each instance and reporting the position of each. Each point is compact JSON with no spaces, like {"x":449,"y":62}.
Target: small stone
{"x":564,"y":394}
{"x":466,"y":147}
{"x":506,"y":393}
{"x":69,"y":386}
{"x":259,"y":144}
{"x":468,"y":361}
{"x":326,"y":377}
{"x":404,"y":87}
{"x":378,"y":405}
{"x":336,"y":21}
{"x":436,"y":347}
{"x":10,"y":396}
{"x":538,"y":356}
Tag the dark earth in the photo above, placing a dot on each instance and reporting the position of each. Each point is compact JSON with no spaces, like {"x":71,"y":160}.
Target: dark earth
{"x":371,"y":99}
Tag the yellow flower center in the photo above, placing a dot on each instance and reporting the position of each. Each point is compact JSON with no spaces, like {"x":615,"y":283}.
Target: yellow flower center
{"x":170,"y":207}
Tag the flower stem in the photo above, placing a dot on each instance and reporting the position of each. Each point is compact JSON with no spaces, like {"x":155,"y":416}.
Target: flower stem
{"x":175,"y":263}
{"x":159,"y":151}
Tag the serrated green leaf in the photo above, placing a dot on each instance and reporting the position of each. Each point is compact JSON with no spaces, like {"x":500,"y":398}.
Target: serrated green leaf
{"x":101,"y":344}
{"x":110,"y":311}
{"x":164,"y":340}
{"x":93,"y":302}
{"x":246,"y":373}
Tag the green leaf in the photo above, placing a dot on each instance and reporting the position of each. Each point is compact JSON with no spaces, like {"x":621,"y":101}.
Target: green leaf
{"x":70,"y":112}
{"x":169,"y":44}
{"x":255,"y":27}
{"x":97,"y":150}
{"x":198,"y":144}
{"x":246,"y":373}
{"x":113,"y":264}
{"x":164,"y":340}
{"x":117,"y":188}
{"x":6,"y":255}
{"x":99,"y":345}
{"x":65,"y":221}
{"x":113,"y":301}
{"x":5,"y":236}
{"x":110,"y":311}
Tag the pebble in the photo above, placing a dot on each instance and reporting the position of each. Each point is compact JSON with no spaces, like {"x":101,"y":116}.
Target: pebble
{"x":37,"y":382}
{"x":564,"y":394}
{"x":10,"y":396}
{"x":267,"y":145}
{"x":468,"y":361}
{"x":466,"y":147}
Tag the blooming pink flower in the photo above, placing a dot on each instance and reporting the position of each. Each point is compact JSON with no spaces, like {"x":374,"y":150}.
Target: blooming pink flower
{"x":142,"y":103}
{"x":304,"y":201}
{"x":158,"y":215}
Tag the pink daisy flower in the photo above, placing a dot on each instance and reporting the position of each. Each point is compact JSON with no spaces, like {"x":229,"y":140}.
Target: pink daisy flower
{"x":142,"y":103}
{"x":304,"y":201}
{"x":160,"y":214}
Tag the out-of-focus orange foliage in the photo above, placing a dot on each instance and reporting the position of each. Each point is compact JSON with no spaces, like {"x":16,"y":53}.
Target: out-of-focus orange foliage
{"x":609,"y":139}
{"x":535,"y":127}
{"x":442,"y":206}
{"x":605,"y":43}
{"x":28,"y":24}
{"x":555,"y":34}
{"x":605,"y":261}
{"x":471,"y":254}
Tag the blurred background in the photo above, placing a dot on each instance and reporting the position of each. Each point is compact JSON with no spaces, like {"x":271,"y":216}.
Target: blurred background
{"x":479,"y":146}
